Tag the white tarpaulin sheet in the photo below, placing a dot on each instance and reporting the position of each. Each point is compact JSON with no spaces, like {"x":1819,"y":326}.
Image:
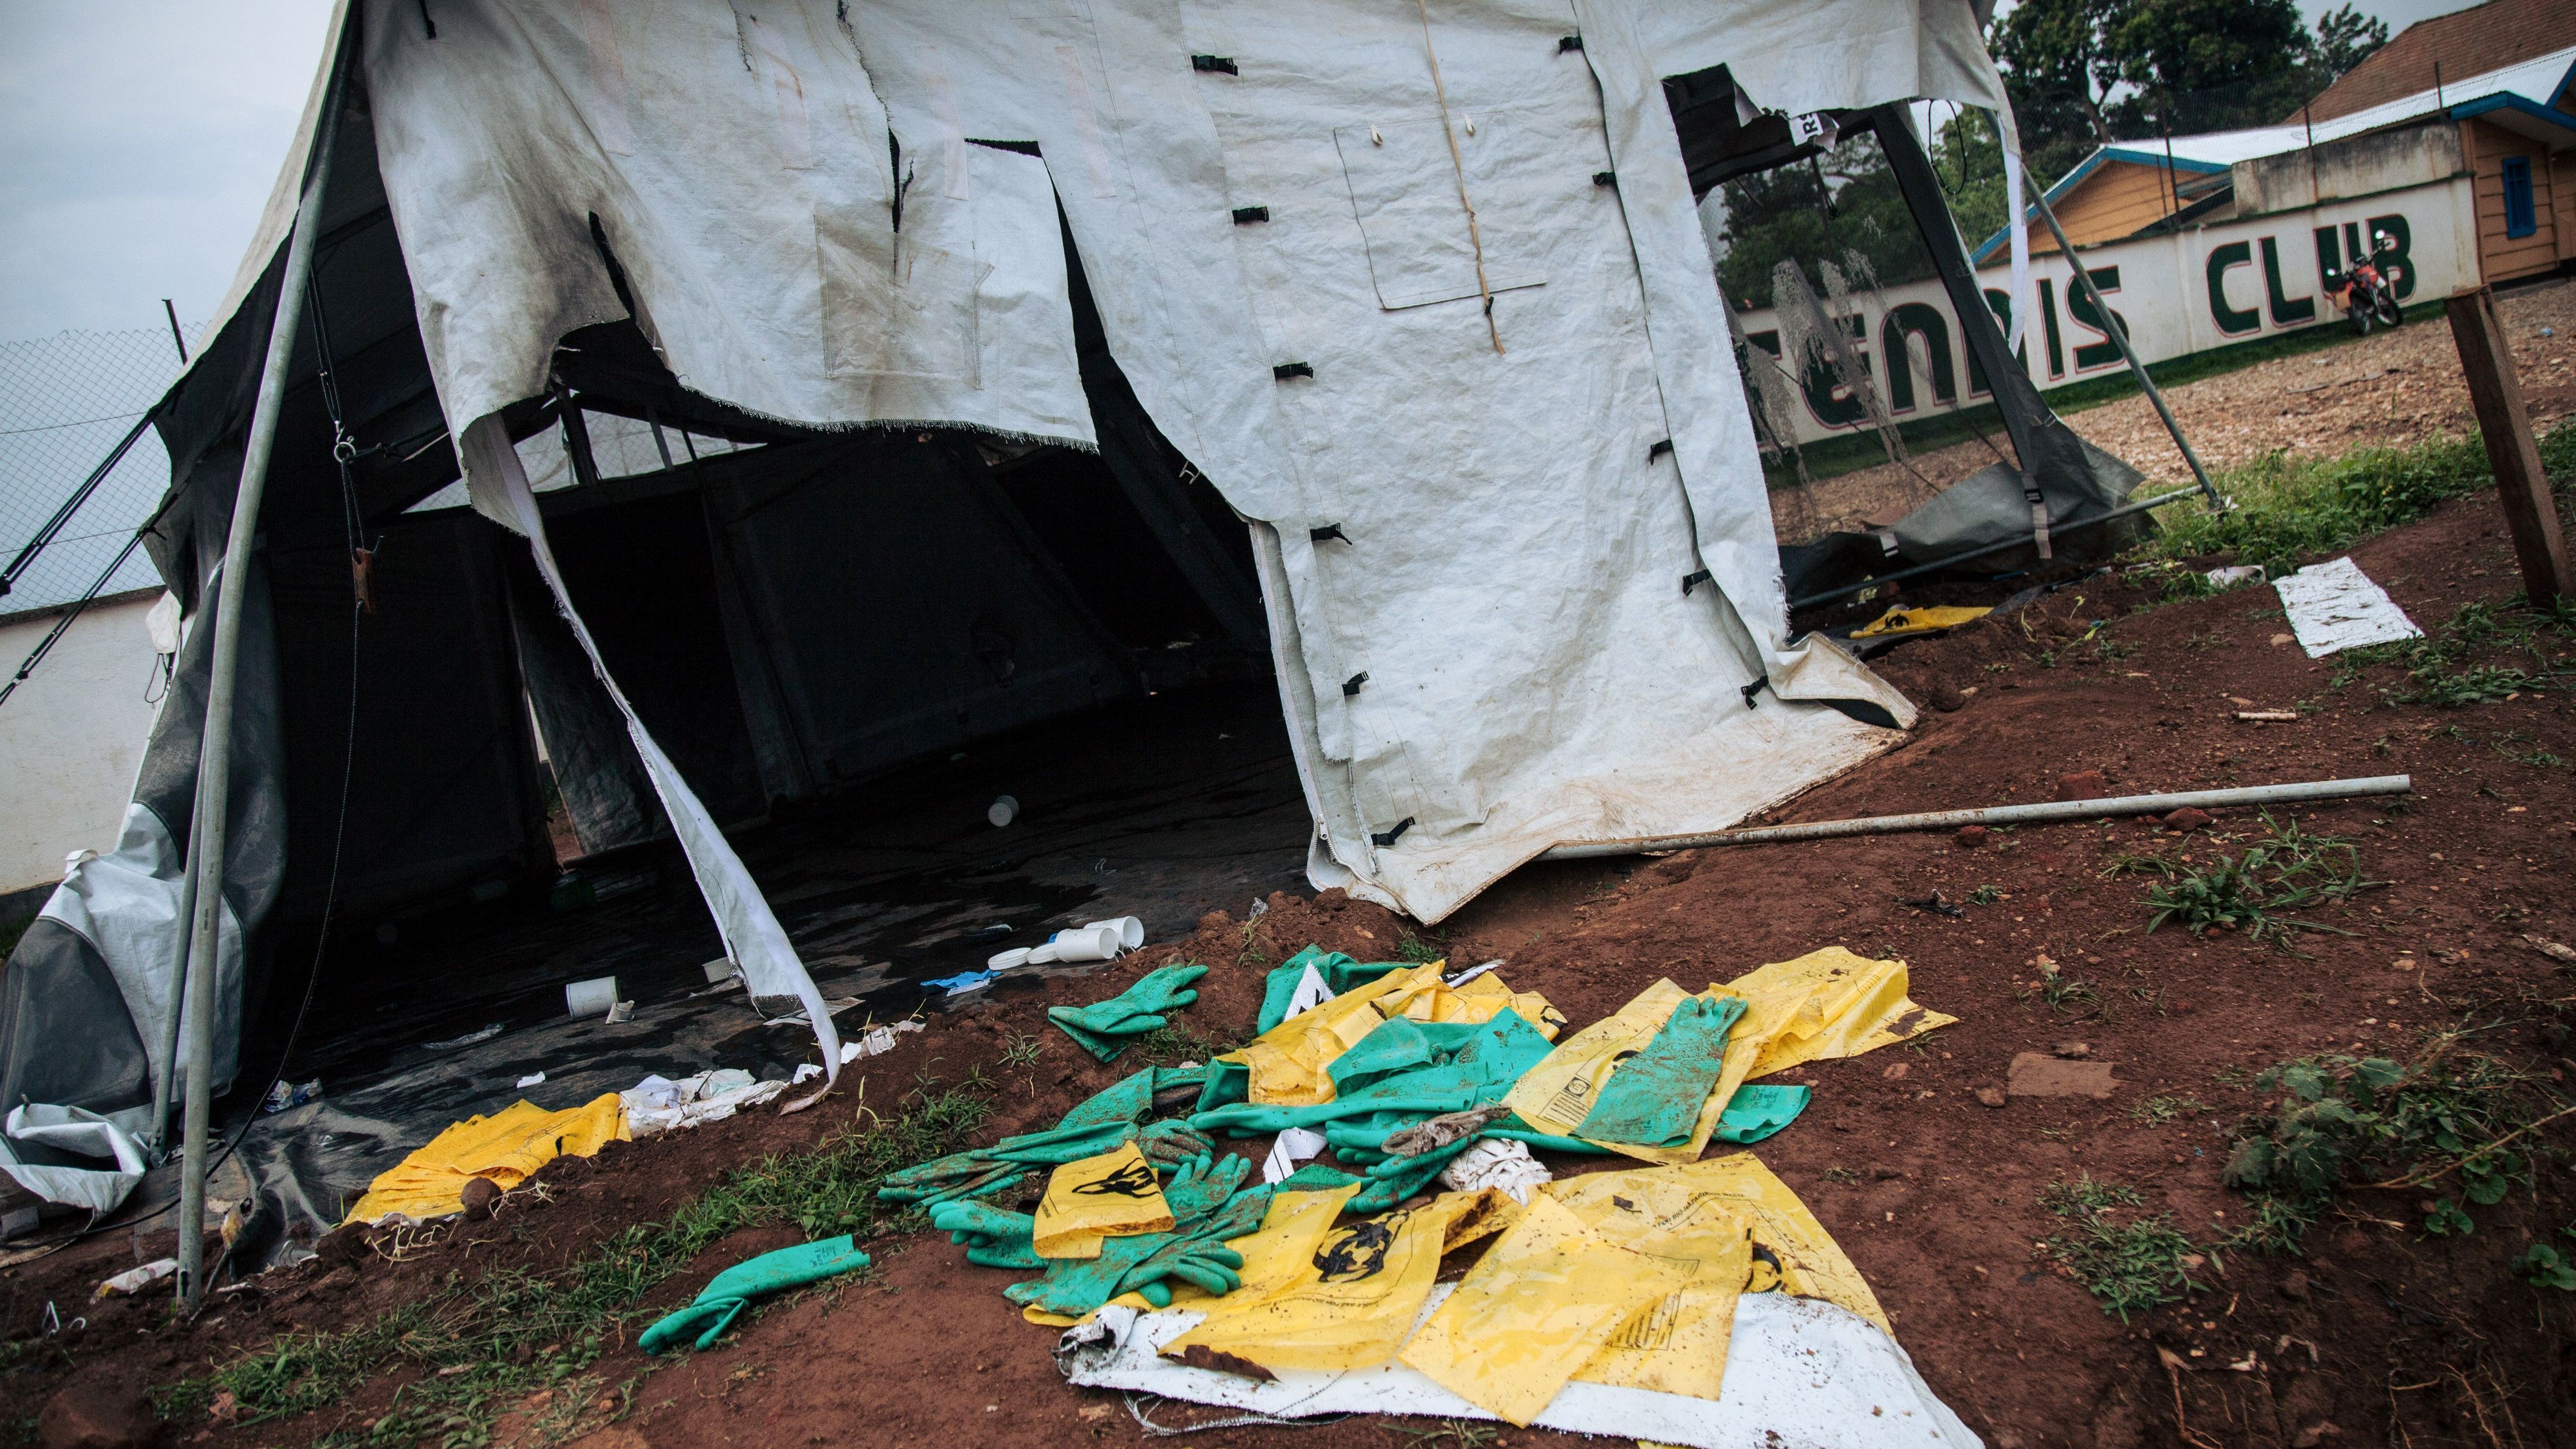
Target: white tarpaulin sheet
{"x":1801,"y":1373}
{"x":2334,"y":606}
{"x":1536,"y":623}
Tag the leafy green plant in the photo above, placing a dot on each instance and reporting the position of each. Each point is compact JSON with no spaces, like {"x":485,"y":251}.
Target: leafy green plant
{"x":1984,"y":895}
{"x":2290,"y":869}
{"x":1022,"y":1051}
{"x":2543,"y":1266}
{"x":2129,"y":1267}
{"x":1414,"y":950}
{"x":2339,"y":1118}
{"x":2447,"y":1219}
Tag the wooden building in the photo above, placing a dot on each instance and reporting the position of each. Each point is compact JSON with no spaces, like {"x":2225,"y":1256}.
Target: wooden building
{"x":2488,"y":92}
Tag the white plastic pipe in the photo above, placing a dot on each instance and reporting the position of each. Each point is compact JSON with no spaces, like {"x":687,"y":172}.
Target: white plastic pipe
{"x":1131,"y":931}
{"x":1087,"y":943}
{"x":211,"y":815}
{"x":2000,"y":815}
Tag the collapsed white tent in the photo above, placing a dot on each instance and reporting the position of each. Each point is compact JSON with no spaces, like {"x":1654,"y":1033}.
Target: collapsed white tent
{"x":1420,"y":289}
{"x":1474,"y":539}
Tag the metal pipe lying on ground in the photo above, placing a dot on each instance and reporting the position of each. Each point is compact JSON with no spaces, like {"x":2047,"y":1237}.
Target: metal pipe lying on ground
{"x":2038,"y":814}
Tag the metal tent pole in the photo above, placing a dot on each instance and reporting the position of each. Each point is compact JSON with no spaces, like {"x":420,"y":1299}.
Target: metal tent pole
{"x":210,"y":818}
{"x":2039,"y":813}
{"x":2119,"y":334}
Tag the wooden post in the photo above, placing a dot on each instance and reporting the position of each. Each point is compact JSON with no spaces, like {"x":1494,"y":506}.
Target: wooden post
{"x":2521,"y":485}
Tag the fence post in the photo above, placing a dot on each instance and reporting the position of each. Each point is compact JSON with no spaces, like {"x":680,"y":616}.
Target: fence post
{"x":2522,"y":486}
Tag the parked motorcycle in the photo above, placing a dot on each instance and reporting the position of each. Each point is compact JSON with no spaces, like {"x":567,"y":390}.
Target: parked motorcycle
{"x":2367,"y":292}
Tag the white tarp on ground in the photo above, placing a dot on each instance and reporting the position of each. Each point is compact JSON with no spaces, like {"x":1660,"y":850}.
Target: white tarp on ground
{"x":1801,"y":1373}
{"x":1498,"y":647}
{"x":2334,"y":606}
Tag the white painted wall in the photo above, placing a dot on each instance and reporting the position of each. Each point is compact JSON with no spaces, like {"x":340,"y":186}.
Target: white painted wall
{"x":72,"y":737}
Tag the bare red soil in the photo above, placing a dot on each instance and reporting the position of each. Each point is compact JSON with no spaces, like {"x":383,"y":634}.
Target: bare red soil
{"x":2377,"y":1335}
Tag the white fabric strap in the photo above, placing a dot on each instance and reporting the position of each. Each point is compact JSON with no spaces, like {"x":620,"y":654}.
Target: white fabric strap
{"x":752,"y":935}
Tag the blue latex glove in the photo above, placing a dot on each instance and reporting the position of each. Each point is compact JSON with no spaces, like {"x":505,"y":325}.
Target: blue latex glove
{"x":732,"y":1290}
{"x":1103,"y":1027}
{"x":1654,"y":1098}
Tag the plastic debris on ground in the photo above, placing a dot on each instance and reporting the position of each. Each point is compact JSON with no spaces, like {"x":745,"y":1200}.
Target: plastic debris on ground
{"x":135,"y":1280}
{"x":505,"y":1147}
{"x":2334,"y":606}
{"x":1689,"y":1302}
{"x":1902,"y":620}
{"x":286,"y":1096}
{"x":723,"y":1299}
{"x":876,"y":1041}
{"x":658,"y":1104}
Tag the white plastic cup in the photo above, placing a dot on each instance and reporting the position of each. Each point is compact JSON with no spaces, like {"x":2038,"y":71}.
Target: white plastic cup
{"x":1131,"y":931}
{"x":590,"y":998}
{"x":1002,"y":811}
{"x":1017,"y":956}
{"x":1090,"y":943}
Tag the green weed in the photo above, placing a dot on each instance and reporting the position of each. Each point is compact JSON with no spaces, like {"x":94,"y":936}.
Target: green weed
{"x":2289,"y":870}
{"x":2543,"y":1266}
{"x":1984,"y":895}
{"x":2288,"y":510}
{"x":2340,"y":1120}
{"x":1022,"y":1051}
{"x":2157,"y":1111}
{"x":2129,"y":1267}
{"x":1416,"y":951}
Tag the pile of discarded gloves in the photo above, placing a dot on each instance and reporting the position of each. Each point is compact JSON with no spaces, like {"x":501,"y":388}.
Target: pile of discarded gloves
{"x":1416,"y":1080}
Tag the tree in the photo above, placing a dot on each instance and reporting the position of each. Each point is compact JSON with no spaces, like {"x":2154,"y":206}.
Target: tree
{"x":2345,"y":38}
{"x":2207,"y":65}
{"x":2060,"y":69}
{"x":1779,"y":215}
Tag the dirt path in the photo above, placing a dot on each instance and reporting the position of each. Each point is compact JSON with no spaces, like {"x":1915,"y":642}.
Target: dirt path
{"x":2379,"y":1332}
{"x":2385,"y":390}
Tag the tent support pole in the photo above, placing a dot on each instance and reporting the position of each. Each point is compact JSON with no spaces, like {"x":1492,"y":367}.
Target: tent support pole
{"x":2120,"y":334}
{"x":211,"y":816}
{"x":2040,"y":813}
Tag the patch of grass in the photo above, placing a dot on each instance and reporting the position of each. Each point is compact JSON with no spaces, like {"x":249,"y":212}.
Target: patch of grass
{"x":476,"y":1351}
{"x":1176,"y":1042}
{"x":1022,"y":1051}
{"x":2340,"y":1121}
{"x":2157,"y":1111}
{"x":2086,"y":1195}
{"x":1413,"y":950}
{"x":2481,"y":654}
{"x":2129,"y":1267}
{"x":2289,"y":870}
{"x":2288,"y":510}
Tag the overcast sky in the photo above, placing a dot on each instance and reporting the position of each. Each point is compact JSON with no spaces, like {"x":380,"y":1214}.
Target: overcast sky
{"x":139,"y":138}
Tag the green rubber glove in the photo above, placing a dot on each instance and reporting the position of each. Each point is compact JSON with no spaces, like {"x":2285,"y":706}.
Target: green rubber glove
{"x":1340,"y":974}
{"x":956,"y":1177}
{"x":1654,"y":1098}
{"x":993,"y":1237}
{"x":1754,"y":1113}
{"x":1103,"y":1027}
{"x":1097,"y":1125}
{"x":732,"y":1290}
{"x":1206,"y":1208}
{"x":1394,"y":1179}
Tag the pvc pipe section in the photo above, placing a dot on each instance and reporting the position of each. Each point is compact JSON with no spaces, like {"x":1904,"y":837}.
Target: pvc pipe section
{"x":215,"y":756}
{"x":2038,"y":814}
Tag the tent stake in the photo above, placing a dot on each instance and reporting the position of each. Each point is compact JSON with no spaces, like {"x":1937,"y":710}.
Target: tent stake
{"x":2036,"y":814}
{"x":210,"y":818}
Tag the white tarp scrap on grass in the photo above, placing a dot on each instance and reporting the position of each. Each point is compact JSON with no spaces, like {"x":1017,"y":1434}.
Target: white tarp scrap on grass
{"x":2334,"y":606}
{"x":1801,"y":1373}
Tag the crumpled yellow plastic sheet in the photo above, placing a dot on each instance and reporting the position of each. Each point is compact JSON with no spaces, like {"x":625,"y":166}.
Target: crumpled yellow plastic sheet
{"x":1097,"y":1198}
{"x":1537,"y":1307}
{"x":1347,"y":1296}
{"x":1902,"y":620}
{"x":507,"y":1147}
{"x":1286,"y":1063}
{"x":1827,"y":1003}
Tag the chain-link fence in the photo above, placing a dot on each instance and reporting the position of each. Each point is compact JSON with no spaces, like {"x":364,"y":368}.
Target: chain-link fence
{"x":65,"y":401}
